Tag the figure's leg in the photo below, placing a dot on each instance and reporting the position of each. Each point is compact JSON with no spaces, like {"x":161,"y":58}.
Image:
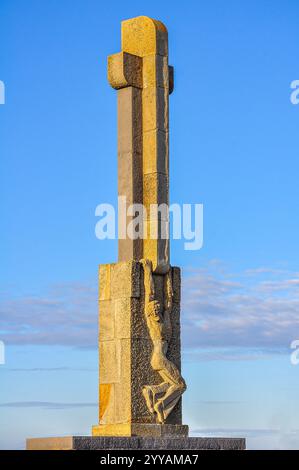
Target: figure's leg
{"x":149,"y":398}
{"x":152,"y":393}
{"x":171,"y":374}
{"x":175,"y":388}
{"x":165,"y":405}
{"x":159,"y":409}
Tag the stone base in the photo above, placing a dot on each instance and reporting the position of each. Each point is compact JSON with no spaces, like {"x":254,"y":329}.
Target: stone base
{"x":135,"y":443}
{"x":140,"y":430}
{"x":126,"y":347}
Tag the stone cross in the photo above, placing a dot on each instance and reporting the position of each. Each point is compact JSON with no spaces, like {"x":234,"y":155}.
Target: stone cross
{"x":144,"y":81}
{"x":139,"y":296}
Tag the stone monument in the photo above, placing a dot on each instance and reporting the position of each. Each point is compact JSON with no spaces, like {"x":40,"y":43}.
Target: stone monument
{"x":141,"y":386}
{"x":139,"y":341}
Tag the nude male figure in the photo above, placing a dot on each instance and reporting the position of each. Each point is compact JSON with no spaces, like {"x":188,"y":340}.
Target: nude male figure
{"x":162,"y":398}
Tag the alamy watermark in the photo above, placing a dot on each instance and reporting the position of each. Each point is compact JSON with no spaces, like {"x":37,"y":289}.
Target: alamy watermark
{"x":294,"y":97}
{"x":2,"y":92}
{"x":135,"y":221}
{"x":2,"y":353}
{"x":294,"y":358}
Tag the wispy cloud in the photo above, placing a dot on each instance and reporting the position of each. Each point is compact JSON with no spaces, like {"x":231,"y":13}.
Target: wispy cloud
{"x":255,"y":312}
{"x":66,"y":315}
{"x":220,"y":402}
{"x":50,"y":369}
{"x":232,"y":353}
{"x":223,"y":310}
{"x":46,"y":405}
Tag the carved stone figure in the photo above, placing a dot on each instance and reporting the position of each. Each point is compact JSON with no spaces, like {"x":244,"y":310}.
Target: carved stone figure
{"x":162,"y":398}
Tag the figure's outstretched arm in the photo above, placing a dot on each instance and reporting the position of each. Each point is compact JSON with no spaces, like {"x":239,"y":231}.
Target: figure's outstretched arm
{"x":149,"y":286}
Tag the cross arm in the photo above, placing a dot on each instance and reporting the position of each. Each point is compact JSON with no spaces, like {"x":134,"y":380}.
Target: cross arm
{"x":124,"y":70}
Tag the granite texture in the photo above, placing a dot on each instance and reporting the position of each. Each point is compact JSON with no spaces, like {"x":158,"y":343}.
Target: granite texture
{"x":135,"y":443}
{"x":126,"y":348}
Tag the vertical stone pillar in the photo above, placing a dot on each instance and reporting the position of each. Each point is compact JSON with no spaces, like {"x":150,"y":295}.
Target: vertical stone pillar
{"x":125,"y":75}
{"x":148,"y":38}
{"x":129,"y":168}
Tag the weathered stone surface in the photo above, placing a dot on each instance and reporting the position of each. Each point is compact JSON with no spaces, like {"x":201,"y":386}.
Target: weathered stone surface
{"x":156,"y":250}
{"x":129,"y":167}
{"x":105,"y":282}
{"x":122,"y":407}
{"x":174,"y":352}
{"x":107,"y":319}
{"x":141,"y":374}
{"x":123,"y":311}
{"x":155,"y":152}
{"x":124,"y":70}
{"x":135,"y":443}
{"x":155,"y":192}
{"x":138,"y":323}
{"x":144,"y":80}
{"x":128,"y":182}
{"x":126,"y":348}
{"x":176,"y":282}
{"x":128,"y":248}
{"x":114,"y":429}
{"x":193,"y":443}
{"x":141,"y":429}
{"x":155,"y":71}
{"x":144,"y":36}
{"x":129,"y":123}
{"x":107,"y":403}
{"x":155,"y":109}
{"x":52,"y":443}
{"x":110,"y":361}
{"x":125,"y":279}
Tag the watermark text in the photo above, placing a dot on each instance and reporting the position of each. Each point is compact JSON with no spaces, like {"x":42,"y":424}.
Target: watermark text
{"x":294,"y":358}
{"x":294,"y":97}
{"x":136,"y":221}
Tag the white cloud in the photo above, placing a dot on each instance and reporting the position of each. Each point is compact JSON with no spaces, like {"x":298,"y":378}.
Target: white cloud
{"x":256,"y":312}
{"x":222,"y":310}
{"x":66,"y":315}
{"x":46,"y":405}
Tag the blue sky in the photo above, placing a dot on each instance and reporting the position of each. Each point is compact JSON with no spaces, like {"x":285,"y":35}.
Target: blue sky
{"x":233,"y":147}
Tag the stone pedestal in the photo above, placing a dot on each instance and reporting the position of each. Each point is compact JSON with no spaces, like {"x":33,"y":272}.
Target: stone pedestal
{"x":125,"y":350}
{"x":134,"y":443}
{"x":141,"y":430}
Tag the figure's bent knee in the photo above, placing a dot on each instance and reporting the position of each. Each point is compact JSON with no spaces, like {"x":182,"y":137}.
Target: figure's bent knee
{"x":183,"y":385}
